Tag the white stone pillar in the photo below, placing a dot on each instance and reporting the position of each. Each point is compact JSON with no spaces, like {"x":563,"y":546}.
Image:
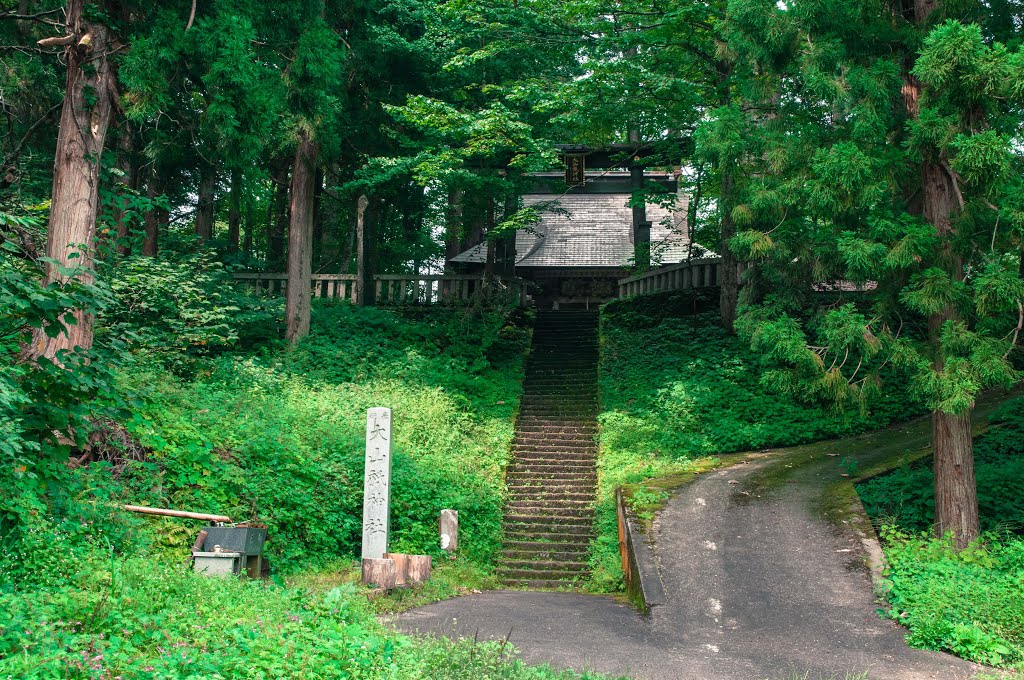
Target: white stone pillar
{"x":377,"y":483}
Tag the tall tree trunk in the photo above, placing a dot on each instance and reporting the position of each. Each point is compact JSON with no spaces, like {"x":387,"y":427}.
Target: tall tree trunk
{"x":126,"y":163}
{"x":279,"y":219}
{"x":300,"y":239}
{"x":250,"y":225}
{"x":728,"y":267}
{"x":453,"y":227}
{"x":234,"y":211}
{"x":204,"y":206}
{"x":365,"y":294}
{"x":956,"y":492}
{"x":317,"y":245}
{"x":89,"y":96}
{"x":153,"y":217}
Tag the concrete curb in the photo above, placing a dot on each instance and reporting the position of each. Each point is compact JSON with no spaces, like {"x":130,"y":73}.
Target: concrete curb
{"x":643,"y":582}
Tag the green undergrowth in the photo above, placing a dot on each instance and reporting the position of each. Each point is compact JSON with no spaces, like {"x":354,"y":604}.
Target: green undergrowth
{"x":278,"y":435}
{"x":449,"y":577}
{"x":969,"y":603}
{"x":676,"y":388}
{"x":140,"y":619}
{"x":905,"y":497}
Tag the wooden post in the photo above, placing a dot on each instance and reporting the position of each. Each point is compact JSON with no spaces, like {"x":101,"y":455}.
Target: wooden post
{"x":380,"y":572}
{"x":418,"y":570}
{"x":448,"y":526}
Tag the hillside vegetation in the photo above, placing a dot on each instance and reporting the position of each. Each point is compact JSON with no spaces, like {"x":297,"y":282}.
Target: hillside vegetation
{"x":676,"y":388}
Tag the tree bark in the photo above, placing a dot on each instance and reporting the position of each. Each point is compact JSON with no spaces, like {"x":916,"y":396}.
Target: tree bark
{"x":300,"y":239}
{"x":204,"y":206}
{"x":956,"y":494}
{"x":728,"y":267}
{"x":235,"y":211}
{"x":88,"y":107}
{"x":366,"y":216}
{"x":154,"y":218}
{"x":125,"y":162}
{"x":250,"y":225}
{"x":452,"y":227}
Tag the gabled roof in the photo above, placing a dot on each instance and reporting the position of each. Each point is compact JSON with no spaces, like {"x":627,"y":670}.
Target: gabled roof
{"x":591,"y":230}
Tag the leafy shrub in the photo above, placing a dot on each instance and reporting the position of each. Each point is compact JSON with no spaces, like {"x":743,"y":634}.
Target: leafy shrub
{"x":173,"y":307}
{"x":906,"y":497}
{"x":280,"y":436}
{"x":970,"y":603}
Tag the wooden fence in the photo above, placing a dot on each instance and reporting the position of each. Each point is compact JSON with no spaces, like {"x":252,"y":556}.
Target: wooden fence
{"x":702,"y":273}
{"x":401,"y":289}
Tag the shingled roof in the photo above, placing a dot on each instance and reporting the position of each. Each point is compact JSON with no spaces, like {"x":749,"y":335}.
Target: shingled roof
{"x":590,"y":230}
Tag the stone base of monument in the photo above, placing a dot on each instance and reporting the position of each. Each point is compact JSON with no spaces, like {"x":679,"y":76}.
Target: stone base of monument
{"x":379,"y":572}
{"x":396,"y":570}
{"x":411,"y":569}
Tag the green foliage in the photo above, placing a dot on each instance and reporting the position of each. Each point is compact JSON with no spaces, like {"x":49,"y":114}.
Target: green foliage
{"x":970,"y":603}
{"x":281,"y":437}
{"x":176,"y":308}
{"x":905,"y":497}
{"x":46,"y":406}
{"x":142,"y":619}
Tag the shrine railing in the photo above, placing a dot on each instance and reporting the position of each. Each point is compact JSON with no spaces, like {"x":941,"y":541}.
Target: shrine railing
{"x":401,"y":289}
{"x":702,"y":273}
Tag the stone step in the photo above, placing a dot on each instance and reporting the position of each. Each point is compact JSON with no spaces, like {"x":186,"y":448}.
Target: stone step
{"x":558,"y":412}
{"x":540,"y":445}
{"x":566,"y":536}
{"x":548,"y":487}
{"x":583,"y":494}
{"x":542,"y":565}
{"x":543,"y":546}
{"x":556,"y":436}
{"x":545,"y":445}
{"x":549,"y":522}
{"x":555,"y":509}
{"x":550,"y":466}
{"x":580,"y":442}
{"x":540,"y":574}
{"x":553,"y":477}
{"x":555,"y":459}
{"x":583,"y":497}
{"x":536,"y":584}
{"x":527,"y":556}
{"x":546,"y":426}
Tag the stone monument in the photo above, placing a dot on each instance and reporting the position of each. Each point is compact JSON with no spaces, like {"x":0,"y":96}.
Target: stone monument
{"x":377,"y":483}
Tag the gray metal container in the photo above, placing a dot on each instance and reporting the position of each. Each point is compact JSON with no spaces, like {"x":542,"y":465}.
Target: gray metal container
{"x":246,"y":540}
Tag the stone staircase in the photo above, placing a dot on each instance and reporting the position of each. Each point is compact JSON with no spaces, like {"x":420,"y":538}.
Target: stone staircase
{"x":552,"y":478}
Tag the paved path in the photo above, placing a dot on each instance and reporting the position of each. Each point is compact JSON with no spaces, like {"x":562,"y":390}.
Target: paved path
{"x":757,"y":586}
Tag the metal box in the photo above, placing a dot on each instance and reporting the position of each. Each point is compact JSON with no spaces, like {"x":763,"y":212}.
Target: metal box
{"x":245,"y":540}
{"x":217,"y":563}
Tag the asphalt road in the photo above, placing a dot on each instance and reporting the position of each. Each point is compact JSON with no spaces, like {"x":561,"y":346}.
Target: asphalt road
{"x":758,"y":585}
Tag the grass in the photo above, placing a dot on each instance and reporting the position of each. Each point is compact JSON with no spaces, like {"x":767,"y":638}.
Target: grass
{"x":141,"y":619}
{"x":276,"y":434}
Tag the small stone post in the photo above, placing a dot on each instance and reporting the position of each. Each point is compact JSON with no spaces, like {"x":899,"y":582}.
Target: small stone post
{"x":377,"y":483}
{"x":449,"y":530}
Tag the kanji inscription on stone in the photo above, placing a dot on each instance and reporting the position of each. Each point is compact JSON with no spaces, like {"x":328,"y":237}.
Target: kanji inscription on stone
{"x":377,"y":483}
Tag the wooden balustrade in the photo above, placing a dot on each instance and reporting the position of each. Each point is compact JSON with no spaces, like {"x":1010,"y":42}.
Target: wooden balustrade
{"x":401,"y":289}
{"x":702,"y":273}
